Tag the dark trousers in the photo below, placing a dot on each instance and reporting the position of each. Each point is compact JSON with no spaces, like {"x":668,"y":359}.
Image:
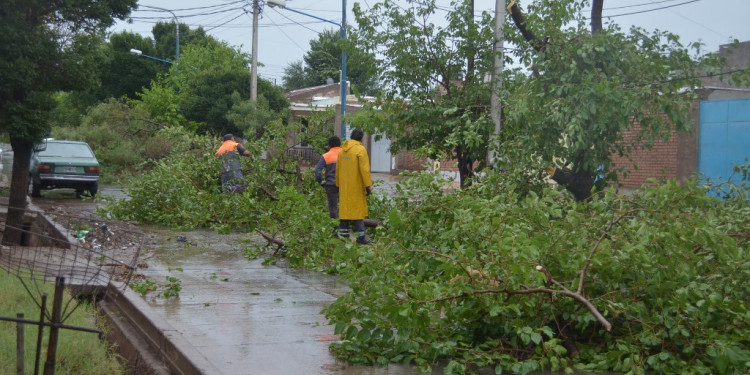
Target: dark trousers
{"x":359,"y":227}
{"x":332,"y":192}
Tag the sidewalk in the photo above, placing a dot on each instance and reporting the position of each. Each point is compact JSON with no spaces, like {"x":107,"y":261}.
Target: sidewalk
{"x":244,"y":317}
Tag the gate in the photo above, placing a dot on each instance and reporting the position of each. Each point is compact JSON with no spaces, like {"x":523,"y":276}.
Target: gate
{"x":380,"y":157}
{"x":724,"y":138}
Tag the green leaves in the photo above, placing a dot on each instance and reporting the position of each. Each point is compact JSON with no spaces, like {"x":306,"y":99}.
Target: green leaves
{"x":454,"y":276}
{"x":434,"y":99}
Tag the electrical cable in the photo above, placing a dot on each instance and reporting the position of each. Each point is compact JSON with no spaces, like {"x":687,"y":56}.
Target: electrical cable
{"x":633,"y":5}
{"x":287,"y":35}
{"x":299,"y":23}
{"x":220,"y":25}
{"x":192,"y":15}
{"x":207,"y":7}
{"x":212,"y":20}
{"x":650,"y":10}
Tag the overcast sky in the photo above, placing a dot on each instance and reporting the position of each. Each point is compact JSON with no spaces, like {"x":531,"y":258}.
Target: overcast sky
{"x":284,"y":37}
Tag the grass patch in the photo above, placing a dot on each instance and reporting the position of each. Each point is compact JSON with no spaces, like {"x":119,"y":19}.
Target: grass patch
{"x":79,"y":353}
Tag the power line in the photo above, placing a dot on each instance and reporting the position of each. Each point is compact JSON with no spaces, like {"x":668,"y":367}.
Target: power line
{"x":212,"y":20}
{"x":651,"y":10}
{"x":208,"y":7}
{"x":298,"y":23}
{"x":194,"y":15}
{"x":633,"y":5}
{"x":220,"y":25}
{"x":286,"y":35}
{"x":700,"y":24}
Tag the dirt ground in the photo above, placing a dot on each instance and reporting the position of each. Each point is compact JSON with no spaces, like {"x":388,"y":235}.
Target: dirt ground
{"x":96,"y":244}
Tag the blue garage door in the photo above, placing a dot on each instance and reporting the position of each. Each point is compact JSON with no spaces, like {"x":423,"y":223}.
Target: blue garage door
{"x":724,"y":137}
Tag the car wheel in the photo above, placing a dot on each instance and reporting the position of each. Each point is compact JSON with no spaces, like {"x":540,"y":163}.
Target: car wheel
{"x":93,"y":188}
{"x":36,"y":189}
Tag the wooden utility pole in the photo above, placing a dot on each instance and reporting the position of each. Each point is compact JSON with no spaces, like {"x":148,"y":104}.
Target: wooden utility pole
{"x":254,"y":67}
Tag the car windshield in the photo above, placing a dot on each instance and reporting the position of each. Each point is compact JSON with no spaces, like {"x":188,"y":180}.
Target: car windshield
{"x":68,"y":150}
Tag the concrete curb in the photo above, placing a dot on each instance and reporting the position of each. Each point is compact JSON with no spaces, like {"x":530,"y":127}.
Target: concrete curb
{"x":147,"y":341}
{"x":149,"y":344}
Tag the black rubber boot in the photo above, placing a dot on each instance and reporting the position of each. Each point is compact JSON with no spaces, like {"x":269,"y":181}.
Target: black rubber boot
{"x":362,"y":240}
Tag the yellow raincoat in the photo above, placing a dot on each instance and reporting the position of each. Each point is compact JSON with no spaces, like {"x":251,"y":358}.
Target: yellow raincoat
{"x":352,"y":178}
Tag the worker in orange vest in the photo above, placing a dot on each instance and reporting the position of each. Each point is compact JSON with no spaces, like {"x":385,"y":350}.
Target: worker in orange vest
{"x":327,"y":164}
{"x":231,"y":170}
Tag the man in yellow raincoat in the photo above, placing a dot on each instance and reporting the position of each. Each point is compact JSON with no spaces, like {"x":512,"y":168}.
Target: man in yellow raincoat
{"x":355,"y":184}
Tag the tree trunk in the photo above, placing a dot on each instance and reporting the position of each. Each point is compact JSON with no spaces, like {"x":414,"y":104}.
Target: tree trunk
{"x":579,"y":183}
{"x":596,"y":16}
{"x":465,"y":170}
{"x":19,"y":183}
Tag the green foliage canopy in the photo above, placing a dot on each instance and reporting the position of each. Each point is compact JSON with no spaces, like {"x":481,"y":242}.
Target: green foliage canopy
{"x":208,"y":91}
{"x":46,"y":47}
{"x":323,"y":61}
{"x":435,"y":100}
{"x":586,"y":90}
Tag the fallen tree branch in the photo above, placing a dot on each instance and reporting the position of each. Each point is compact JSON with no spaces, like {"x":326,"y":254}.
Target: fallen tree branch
{"x":562,"y":291}
{"x":587,"y":263}
{"x":269,"y":194}
{"x":271,"y":240}
{"x":373,"y":223}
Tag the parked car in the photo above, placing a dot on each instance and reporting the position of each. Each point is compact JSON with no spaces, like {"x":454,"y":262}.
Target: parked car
{"x":60,"y":164}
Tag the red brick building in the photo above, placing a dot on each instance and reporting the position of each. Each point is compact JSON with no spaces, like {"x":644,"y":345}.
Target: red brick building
{"x":678,"y":157}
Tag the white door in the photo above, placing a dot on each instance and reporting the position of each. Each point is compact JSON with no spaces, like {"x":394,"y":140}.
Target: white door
{"x":380,"y":159}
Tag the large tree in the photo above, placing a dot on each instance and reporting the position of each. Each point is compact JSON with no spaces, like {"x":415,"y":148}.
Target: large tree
{"x":323,"y":61}
{"x":45,"y":47}
{"x":209,"y":88}
{"x":164,"y":38}
{"x":435,"y":101}
{"x":589,"y":83}
{"x":125,"y":74}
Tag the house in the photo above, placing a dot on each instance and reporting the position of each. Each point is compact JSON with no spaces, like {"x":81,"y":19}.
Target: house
{"x":719,"y":139}
{"x":318,"y":98}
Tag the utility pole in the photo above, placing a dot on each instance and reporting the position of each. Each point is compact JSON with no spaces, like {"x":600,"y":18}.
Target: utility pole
{"x":497,"y":83}
{"x":342,"y":81}
{"x":254,"y":67}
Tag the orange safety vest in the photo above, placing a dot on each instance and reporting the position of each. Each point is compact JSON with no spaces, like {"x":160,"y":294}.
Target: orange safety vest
{"x":332,"y":155}
{"x":228,"y":145}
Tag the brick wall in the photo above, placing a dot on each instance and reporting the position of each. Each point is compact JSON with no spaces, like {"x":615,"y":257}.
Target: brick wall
{"x":675,"y":158}
{"x":658,"y":162}
{"x":408,"y":161}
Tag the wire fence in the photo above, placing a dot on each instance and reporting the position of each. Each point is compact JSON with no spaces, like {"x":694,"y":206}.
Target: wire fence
{"x":86,"y":251}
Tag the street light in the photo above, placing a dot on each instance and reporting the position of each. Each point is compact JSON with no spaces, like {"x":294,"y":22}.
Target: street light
{"x":177,"y":32}
{"x":138,"y":52}
{"x":342,"y":28}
